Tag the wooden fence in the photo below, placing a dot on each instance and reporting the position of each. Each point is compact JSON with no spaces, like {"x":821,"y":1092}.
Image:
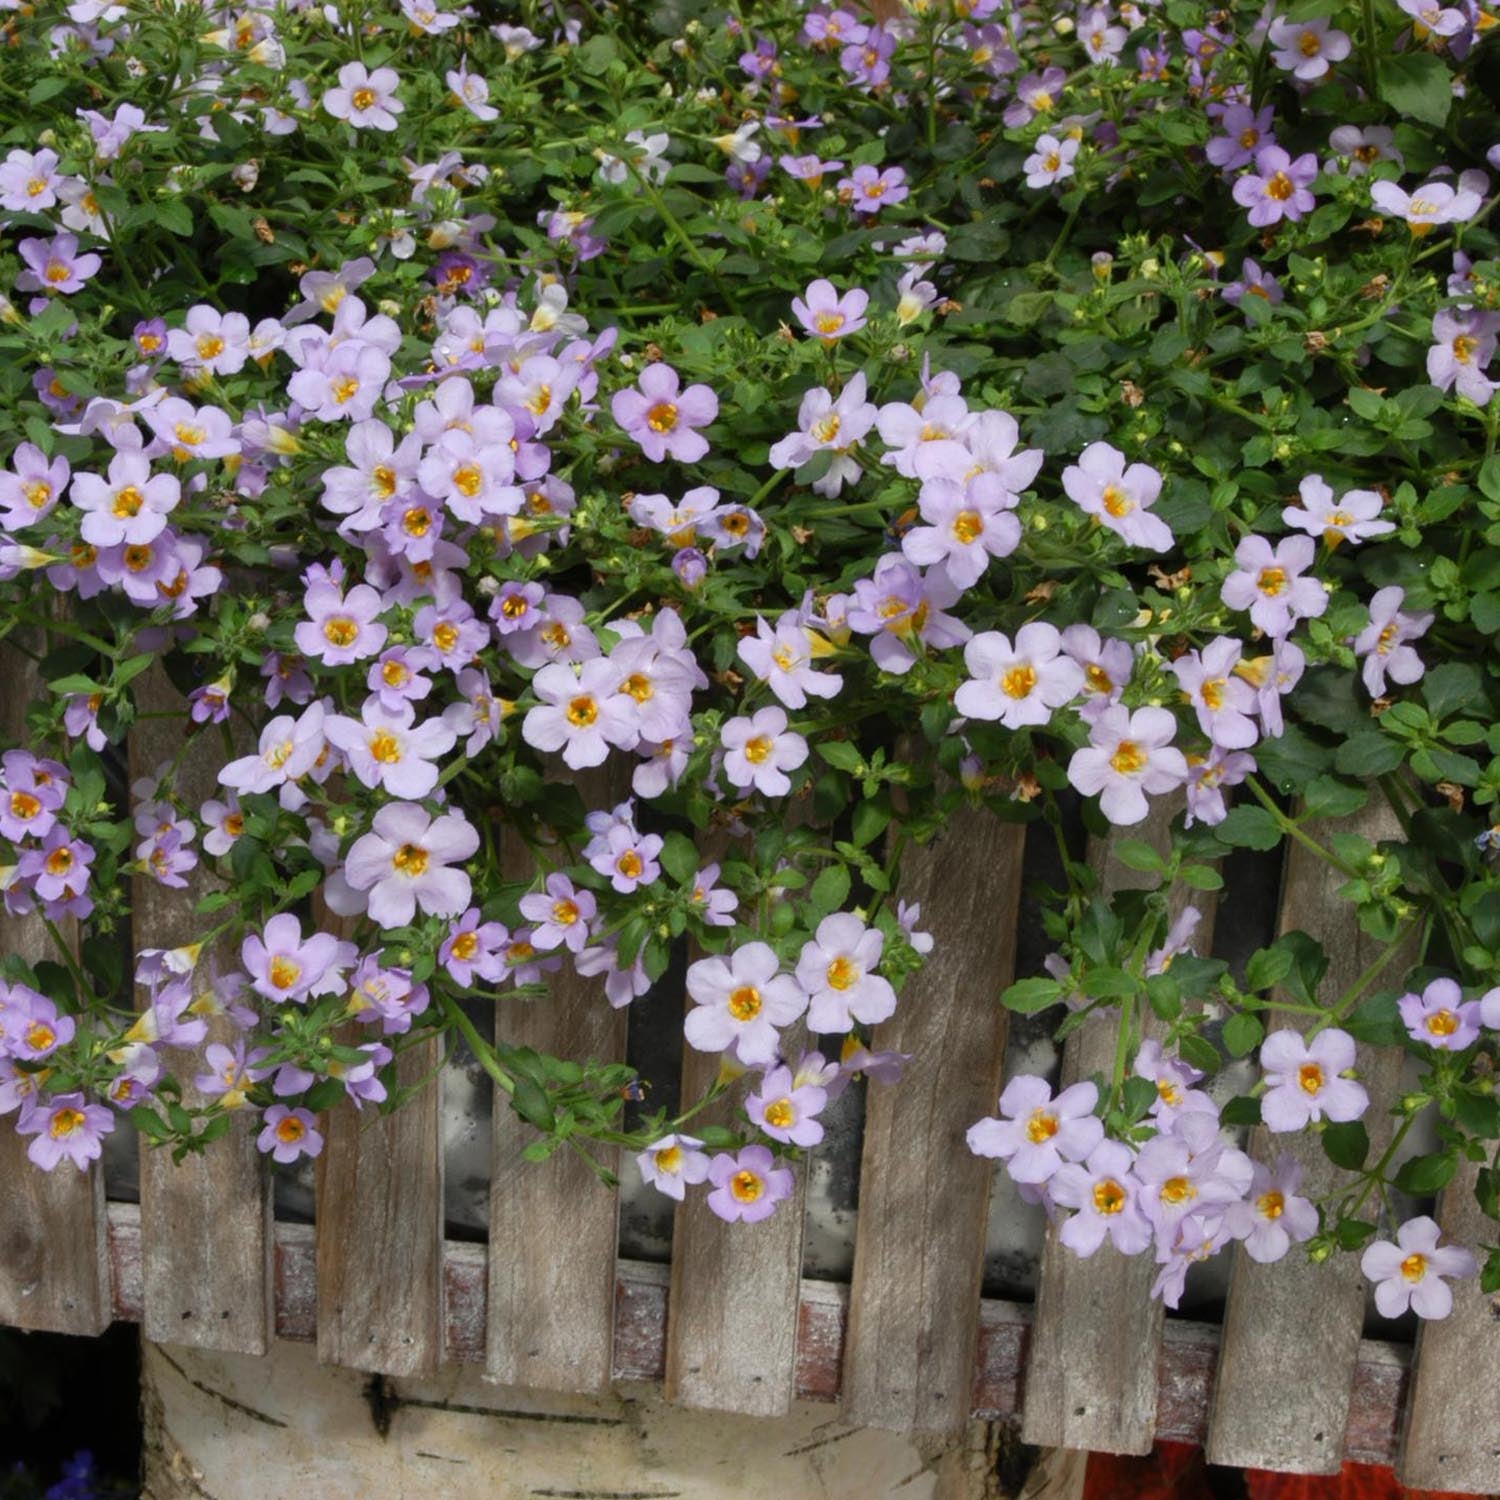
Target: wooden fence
{"x":1287,"y":1382}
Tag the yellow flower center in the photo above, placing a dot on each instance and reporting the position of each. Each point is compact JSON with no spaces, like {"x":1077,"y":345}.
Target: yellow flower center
{"x":744,"y":1003}
{"x":385,"y":481}
{"x":1280,"y":187}
{"x":843,"y":973}
{"x":210,"y":346}
{"x":465,"y":946}
{"x":345,"y":389}
{"x":1271,"y":1205}
{"x":290,"y":1130}
{"x":24,"y":806}
{"x":1109,"y":1196}
{"x":394,"y":673}
{"x":1018,"y":682}
{"x":826,"y":429}
{"x":1213,"y":693}
{"x":514,"y":606}
{"x":363,"y":98}
{"x":746,"y":1186}
{"x":662,"y":417}
{"x":1442,"y":1022}
{"x":385,"y":747}
{"x":1178,"y":1190}
{"x":38,"y":493}
{"x":758,"y":749}
{"x":1414,"y":1267}
{"x":445,"y":635}
{"x":65,"y":1122}
{"x":1310,"y":46}
{"x":40,"y":1036}
{"x":284,"y":971}
{"x":669,"y":1159}
{"x":638,"y":686}
{"x":340,"y":630}
{"x":780,"y":1114}
{"x":1128,"y":758}
{"x":128,"y":502}
{"x":967,"y":526}
{"x":60,"y":861}
{"x":1271,"y":581}
{"x":1116,"y":501}
{"x":417,"y":521}
{"x":410,"y":859}
{"x":829,"y":322}
{"x":630,"y":865}
{"x":582,"y":712}
{"x":1309,"y":1078}
{"x":1463,"y":348}
{"x":1041,"y":1127}
{"x":565,"y":913}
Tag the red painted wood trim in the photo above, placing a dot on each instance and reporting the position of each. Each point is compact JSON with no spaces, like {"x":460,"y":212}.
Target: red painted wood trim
{"x":1184,"y":1379}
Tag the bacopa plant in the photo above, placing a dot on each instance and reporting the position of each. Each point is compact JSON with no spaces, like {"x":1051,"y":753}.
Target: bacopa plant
{"x":609,"y":480}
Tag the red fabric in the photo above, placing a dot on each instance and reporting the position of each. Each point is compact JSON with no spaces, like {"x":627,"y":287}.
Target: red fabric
{"x":1177,"y":1471}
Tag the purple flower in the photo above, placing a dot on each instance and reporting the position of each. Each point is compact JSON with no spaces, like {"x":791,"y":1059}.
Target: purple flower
{"x":672,"y":1163}
{"x":580,"y":713}
{"x":662,"y":418}
{"x":1306,"y":48}
{"x":288,"y":750}
{"x":1253,"y":282}
{"x":747,"y":1186}
{"x":1208,"y":777}
{"x":1364,"y":147}
{"x":1440,"y":20}
{"x":1036,"y":1132}
{"x":1268,"y":582}
{"x":473,"y":949}
{"x":715,"y":903}
{"x":64,"y":1125}
{"x":387,"y":749}
{"x":1409,"y":1273}
{"x":760,"y":750}
{"x":1351,"y":518}
{"x":1174,"y":1079}
{"x":33,"y":794}
{"x":1052,"y":161}
{"x":828,"y":424}
{"x":54,"y":266}
{"x":1128,"y":755}
{"x":1465,"y":344}
{"x":627,"y":857}
{"x":827,"y":315}
{"x":1441,"y":1017}
{"x":740,"y":1001}
{"x":210,"y":340}
{"x":289,"y":1133}
{"x":232,"y":1073}
{"x":1106,"y":1194}
{"x":900,"y":605}
{"x":29,"y":181}
{"x":1019,"y":685}
{"x":1106,"y":665}
{"x":1224,"y":702}
{"x":1246,"y":131}
{"x":32,"y":486}
{"x":406,"y":860}
{"x":1383,"y":642}
{"x":340,"y":627}
{"x":1278,"y":187}
{"x":867,"y":189}
{"x":1433,"y":204}
{"x":1189,"y":1169}
{"x":562,"y":913}
{"x":365,"y":99}
{"x":1036,"y":94}
{"x":1272,"y":1218}
{"x":1303,"y":1082}
{"x":783,"y":657}
{"x":130,"y":506}
{"x":868,"y":61}
{"x":836,"y":969}
{"x":787,"y":1110}
{"x":282,"y":966}
{"x":968,"y":524}
{"x":1102,"y":486}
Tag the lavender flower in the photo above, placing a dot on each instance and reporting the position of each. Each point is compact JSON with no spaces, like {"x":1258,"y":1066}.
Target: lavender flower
{"x":1440,"y":1016}
{"x":1277,"y":188}
{"x":1383,"y":642}
{"x":1304,"y":1081}
{"x":664,"y":419}
{"x":1035,"y":1132}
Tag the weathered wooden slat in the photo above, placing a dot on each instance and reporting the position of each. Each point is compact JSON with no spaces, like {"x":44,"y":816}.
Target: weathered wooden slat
{"x":54,"y":1272}
{"x":554,"y":1226}
{"x":1451,"y":1436}
{"x":1292,"y":1329}
{"x":732,"y":1307}
{"x":1184,"y":1374}
{"x":1092,"y":1381}
{"x":205,"y":1224}
{"x":380,"y":1229}
{"x":919,"y":1251}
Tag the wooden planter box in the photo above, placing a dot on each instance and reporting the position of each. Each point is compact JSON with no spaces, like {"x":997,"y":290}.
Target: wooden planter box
{"x":1286,"y":1382}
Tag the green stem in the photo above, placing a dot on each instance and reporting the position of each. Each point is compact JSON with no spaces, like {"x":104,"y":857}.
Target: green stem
{"x":477,"y":1044}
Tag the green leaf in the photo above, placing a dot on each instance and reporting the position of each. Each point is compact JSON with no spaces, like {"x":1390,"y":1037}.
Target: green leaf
{"x":1201,"y":877}
{"x":1369,"y":754}
{"x":1416,"y":84}
{"x":830,"y":890}
{"x":1347,"y":1145}
{"x":1327,"y":798}
{"x":1027,"y":996}
{"x":1200,"y":1052}
{"x":1352,"y":1233}
{"x":1268,"y":966}
{"x":1240,"y":1111}
{"x":1427,"y":1174}
{"x":1249,"y":828}
{"x":1242,"y":1034}
{"x":1109,"y":984}
{"x":1489,"y":1277}
{"x":532,"y":1104}
{"x":1165,"y":995}
{"x":1140,"y":1095}
{"x":1137,"y":854}
{"x":842,"y":755}
{"x":679,"y":857}
{"x":1479,"y":1114}
{"x":1450,"y":687}
{"x":871,"y":818}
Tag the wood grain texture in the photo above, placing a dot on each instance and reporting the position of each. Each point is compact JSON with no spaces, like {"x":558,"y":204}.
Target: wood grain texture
{"x":919,"y":1251}
{"x":1292,"y":1329}
{"x":54,"y":1269}
{"x":732,"y":1308}
{"x":554,"y":1226}
{"x":1092,"y":1379}
{"x":1451,"y":1439}
{"x":205,"y":1224}
{"x":380,"y":1229}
